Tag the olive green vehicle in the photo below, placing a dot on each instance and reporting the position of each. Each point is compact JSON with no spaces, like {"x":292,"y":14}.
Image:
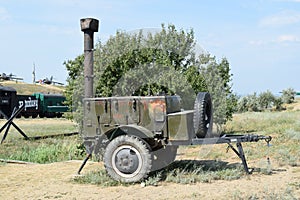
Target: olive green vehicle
{"x":136,"y":135}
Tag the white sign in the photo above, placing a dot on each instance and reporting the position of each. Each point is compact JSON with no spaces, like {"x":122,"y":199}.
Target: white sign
{"x":29,"y":103}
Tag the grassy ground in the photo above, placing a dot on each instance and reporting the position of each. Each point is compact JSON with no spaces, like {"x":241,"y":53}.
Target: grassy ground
{"x":194,"y":163}
{"x":44,"y":150}
{"x":212,"y":162}
{"x":284,"y":127}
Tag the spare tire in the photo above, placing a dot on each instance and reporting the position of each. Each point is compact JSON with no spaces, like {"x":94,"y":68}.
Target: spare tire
{"x":203,"y":116}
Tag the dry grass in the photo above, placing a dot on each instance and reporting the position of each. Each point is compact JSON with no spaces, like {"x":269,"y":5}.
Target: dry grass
{"x":27,"y":89}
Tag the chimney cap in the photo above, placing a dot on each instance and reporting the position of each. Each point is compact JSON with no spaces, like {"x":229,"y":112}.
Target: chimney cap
{"x":89,"y":24}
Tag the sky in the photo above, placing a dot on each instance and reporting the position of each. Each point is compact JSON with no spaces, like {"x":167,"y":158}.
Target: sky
{"x":259,"y":38}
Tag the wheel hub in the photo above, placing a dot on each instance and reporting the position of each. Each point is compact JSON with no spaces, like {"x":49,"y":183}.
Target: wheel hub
{"x":127,"y":160}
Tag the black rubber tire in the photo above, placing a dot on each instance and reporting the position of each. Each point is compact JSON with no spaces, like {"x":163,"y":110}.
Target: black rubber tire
{"x":203,"y":115}
{"x":128,"y":159}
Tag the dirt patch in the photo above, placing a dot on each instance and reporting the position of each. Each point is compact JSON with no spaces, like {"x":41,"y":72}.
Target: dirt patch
{"x":294,"y":106}
{"x":54,"y":181}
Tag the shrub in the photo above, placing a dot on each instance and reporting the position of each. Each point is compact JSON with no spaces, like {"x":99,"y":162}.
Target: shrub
{"x":266,"y":100}
{"x":256,"y":103}
{"x":288,"y":95}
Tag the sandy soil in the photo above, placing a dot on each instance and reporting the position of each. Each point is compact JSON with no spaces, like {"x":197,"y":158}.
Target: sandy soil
{"x":54,"y":181}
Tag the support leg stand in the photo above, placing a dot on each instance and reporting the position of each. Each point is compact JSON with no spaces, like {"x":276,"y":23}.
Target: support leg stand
{"x":241,"y":155}
{"x":84,"y":162}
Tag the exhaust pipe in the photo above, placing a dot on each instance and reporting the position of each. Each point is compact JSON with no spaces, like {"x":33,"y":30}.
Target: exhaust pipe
{"x":89,"y":26}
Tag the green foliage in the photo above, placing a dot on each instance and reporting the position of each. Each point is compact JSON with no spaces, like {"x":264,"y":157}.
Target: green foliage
{"x":135,"y":64}
{"x":150,"y":64}
{"x":74,"y":67}
{"x":288,"y":95}
{"x":278,"y":103}
{"x":248,"y":103}
{"x":217,"y":79}
{"x":262,"y":102}
{"x":74,"y":89}
{"x":195,"y":79}
{"x":266,"y":100}
{"x":50,"y":150}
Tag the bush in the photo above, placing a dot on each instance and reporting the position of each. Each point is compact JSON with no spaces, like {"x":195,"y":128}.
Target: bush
{"x":248,"y":103}
{"x":266,"y":100}
{"x":257,"y":103}
{"x":288,"y":95}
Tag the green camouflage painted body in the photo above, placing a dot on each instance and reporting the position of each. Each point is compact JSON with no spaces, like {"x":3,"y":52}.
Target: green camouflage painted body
{"x":157,"y":118}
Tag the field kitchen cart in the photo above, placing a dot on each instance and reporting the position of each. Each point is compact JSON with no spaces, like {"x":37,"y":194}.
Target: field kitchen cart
{"x":138,"y":134}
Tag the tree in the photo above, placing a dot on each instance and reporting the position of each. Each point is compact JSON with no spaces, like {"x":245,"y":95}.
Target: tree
{"x":74,"y":89}
{"x":278,"y":103}
{"x":217,"y":79}
{"x":252,"y":103}
{"x":288,"y":95}
{"x":242,"y":104}
{"x":168,"y":50}
{"x":149,"y":64}
{"x":266,"y":100}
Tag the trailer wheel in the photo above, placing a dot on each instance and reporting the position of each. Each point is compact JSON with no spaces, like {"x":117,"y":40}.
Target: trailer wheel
{"x":127,"y":159}
{"x":202,"y":114}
